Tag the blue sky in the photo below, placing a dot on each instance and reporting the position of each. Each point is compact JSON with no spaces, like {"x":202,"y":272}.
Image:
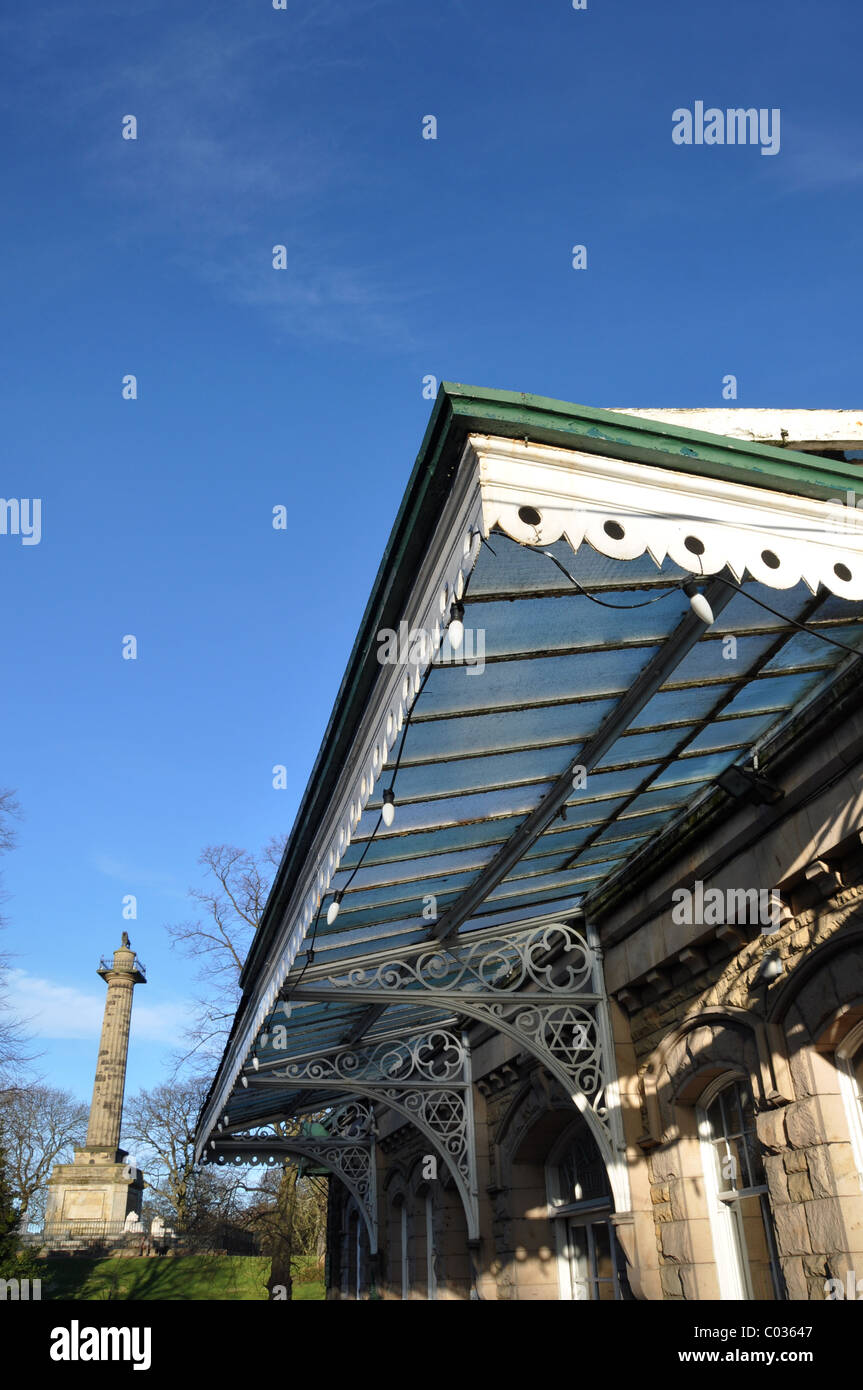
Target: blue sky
{"x":303,"y":387}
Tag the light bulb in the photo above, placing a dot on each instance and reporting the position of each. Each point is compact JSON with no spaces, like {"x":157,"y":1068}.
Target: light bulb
{"x":701,"y":608}
{"x":698,"y":603}
{"x":456,"y":627}
{"x":245,"y":1081}
{"x":255,"y":1063}
{"x":388,"y":810}
{"x":773,"y":968}
{"x":333,"y":909}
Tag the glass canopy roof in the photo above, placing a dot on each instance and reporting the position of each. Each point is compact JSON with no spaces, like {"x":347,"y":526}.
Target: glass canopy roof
{"x":543,"y":666}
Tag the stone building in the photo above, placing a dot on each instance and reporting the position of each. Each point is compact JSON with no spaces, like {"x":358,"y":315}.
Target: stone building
{"x":561,"y":974}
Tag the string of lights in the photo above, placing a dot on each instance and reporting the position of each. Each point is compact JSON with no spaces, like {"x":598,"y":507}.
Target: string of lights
{"x":586,"y":592}
{"x":699,"y":604}
{"x":455,"y":632}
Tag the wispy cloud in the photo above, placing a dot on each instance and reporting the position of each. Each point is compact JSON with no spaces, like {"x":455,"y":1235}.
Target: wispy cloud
{"x":52,"y":1010}
{"x":816,"y":158}
{"x":228,"y":161}
{"x":134,"y":876}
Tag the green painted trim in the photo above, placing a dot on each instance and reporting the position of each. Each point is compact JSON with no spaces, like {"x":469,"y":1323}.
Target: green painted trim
{"x":651,"y":441}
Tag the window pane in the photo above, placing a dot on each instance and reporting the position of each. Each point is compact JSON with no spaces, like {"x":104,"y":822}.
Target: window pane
{"x":731,"y":1125}
{"x":757,"y":1247}
{"x":603,"y":1262}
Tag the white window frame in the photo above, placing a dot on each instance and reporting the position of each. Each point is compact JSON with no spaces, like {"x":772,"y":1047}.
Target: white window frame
{"x":728,"y":1242}
{"x":561,"y":1209}
{"x":844,"y":1055}
{"x":569,"y":1293}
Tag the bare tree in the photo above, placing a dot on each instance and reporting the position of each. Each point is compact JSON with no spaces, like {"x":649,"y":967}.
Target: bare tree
{"x":15,"y":1055}
{"x":310,"y":1216}
{"x":160,"y":1124}
{"x":38,"y":1127}
{"x":231,"y":908}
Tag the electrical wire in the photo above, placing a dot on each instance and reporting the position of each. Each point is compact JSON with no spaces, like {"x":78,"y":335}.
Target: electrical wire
{"x":310,"y":954}
{"x":592,"y":597}
{"x":801,"y":627}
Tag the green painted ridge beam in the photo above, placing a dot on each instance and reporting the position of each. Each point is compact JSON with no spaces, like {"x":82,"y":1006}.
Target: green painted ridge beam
{"x":652,"y":442}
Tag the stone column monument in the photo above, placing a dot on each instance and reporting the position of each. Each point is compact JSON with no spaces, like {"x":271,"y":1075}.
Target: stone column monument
{"x":97,"y":1187}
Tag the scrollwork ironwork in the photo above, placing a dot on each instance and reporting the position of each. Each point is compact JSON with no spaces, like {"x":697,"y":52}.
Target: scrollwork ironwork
{"x":496,"y":965}
{"x":437,"y":1055}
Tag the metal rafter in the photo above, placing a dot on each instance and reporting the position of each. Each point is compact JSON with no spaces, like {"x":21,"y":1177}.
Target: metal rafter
{"x":348,"y":1151}
{"x":685,"y":636}
{"x":424,"y":1077}
{"x":542,"y":987}
{"x":677,"y":753}
{"x":682,"y":640}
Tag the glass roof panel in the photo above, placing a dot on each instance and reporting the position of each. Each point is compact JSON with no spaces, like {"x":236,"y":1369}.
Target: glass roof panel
{"x":646,"y":747}
{"x":705,"y":661}
{"x":728,"y":733}
{"x":680,"y":706}
{"x":534,"y":903}
{"x":741,"y":613}
{"x":497,"y":731}
{"x":514,"y":569}
{"x":807,"y":649}
{"x":605,"y":784}
{"x":561,"y":878}
{"x":454,"y":810}
{"x":768,"y":692}
{"x":574,"y":621}
{"x":702,"y":769}
{"x":561,"y":841}
{"x":671,"y":797}
{"x":388,"y":847}
{"x":533,"y":682}
{"x":832,"y":606}
{"x":477,"y":774}
{"x":602,"y":846}
{"x":641,"y":821}
{"x":356,"y":911}
{"x":415,"y":870}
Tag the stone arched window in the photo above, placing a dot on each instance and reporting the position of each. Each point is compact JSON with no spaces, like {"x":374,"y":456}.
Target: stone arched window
{"x":425,"y":1230}
{"x":399,"y":1232}
{"x":741,"y":1221}
{"x":591,"y":1264}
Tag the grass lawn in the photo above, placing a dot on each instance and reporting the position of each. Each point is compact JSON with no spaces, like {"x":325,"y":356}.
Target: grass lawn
{"x":203,"y":1278}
